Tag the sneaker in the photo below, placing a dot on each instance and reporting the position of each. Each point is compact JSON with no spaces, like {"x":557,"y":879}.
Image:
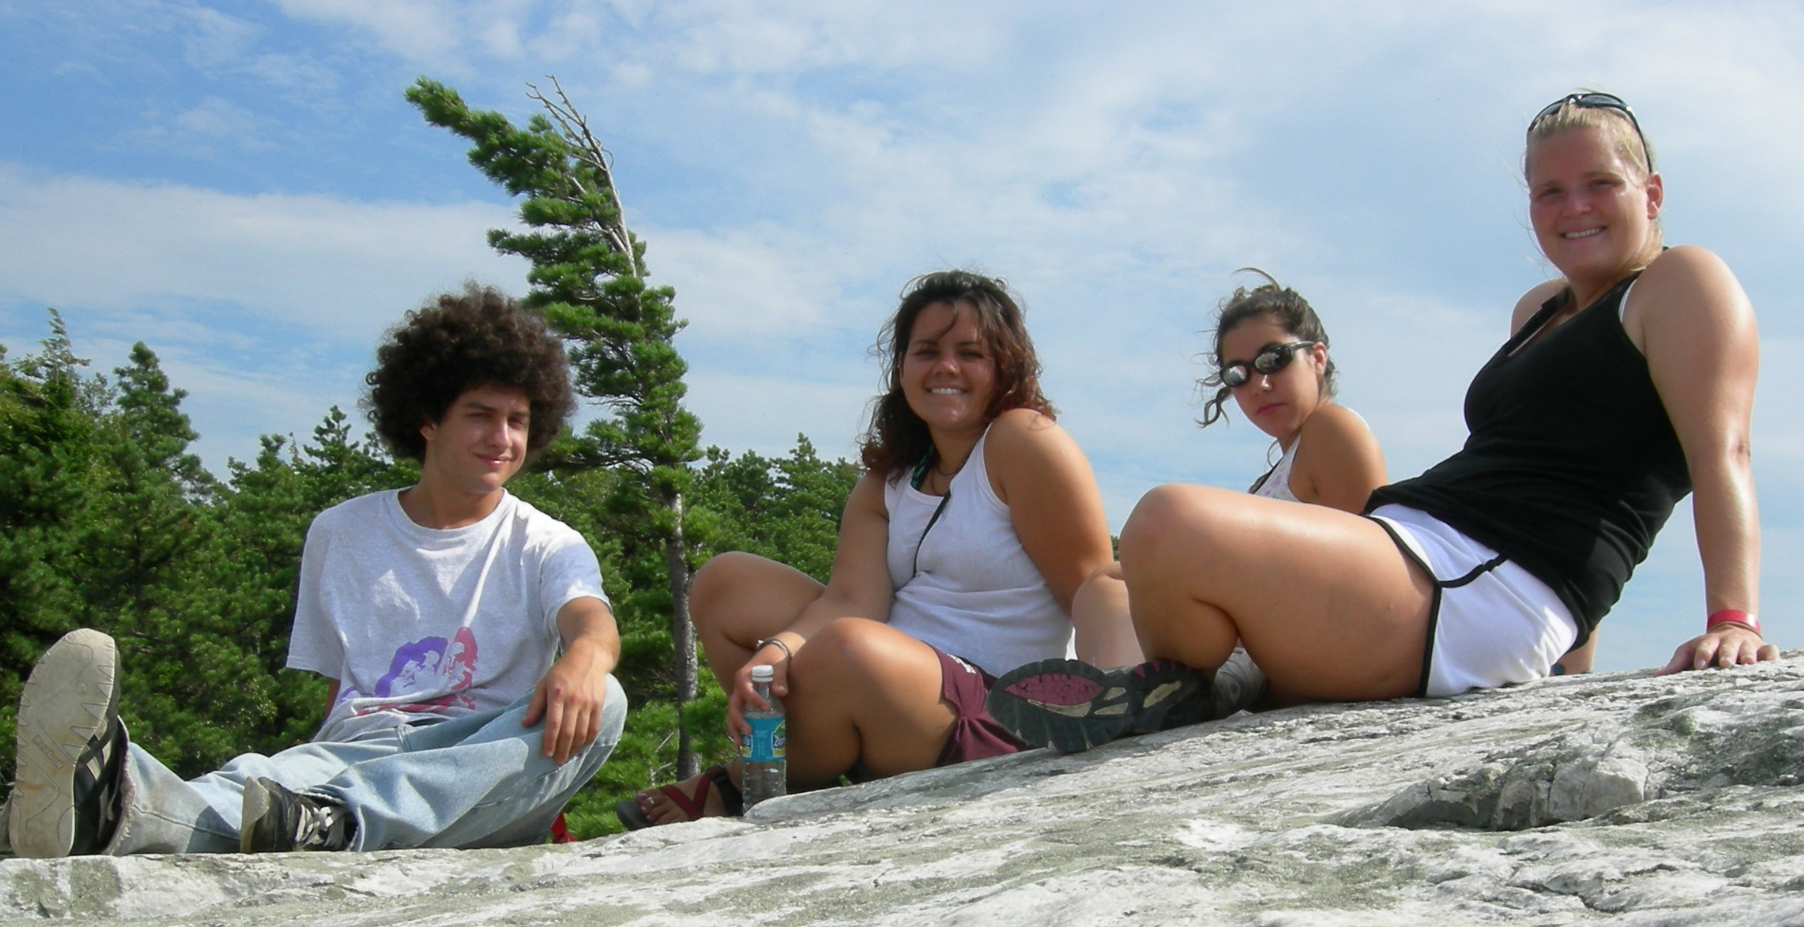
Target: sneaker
{"x":276,"y":820}
{"x":1068,"y":705}
{"x":71,"y":748}
{"x":1239,"y":685}
{"x":1168,"y":694}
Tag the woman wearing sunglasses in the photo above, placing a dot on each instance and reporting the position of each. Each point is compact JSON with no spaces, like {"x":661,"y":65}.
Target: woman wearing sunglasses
{"x":1626,"y":382}
{"x":959,"y":551}
{"x":1271,"y":355}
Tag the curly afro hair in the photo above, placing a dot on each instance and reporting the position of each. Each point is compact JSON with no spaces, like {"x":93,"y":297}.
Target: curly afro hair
{"x":457,"y":342}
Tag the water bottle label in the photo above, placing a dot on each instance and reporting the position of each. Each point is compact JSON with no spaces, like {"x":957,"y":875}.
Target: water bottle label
{"x":765,"y":743}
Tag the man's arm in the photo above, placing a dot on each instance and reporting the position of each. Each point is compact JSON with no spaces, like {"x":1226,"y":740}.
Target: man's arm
{"x":570,"y":696}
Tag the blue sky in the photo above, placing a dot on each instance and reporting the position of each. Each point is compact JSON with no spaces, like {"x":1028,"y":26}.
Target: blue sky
{"x":241,"y":186}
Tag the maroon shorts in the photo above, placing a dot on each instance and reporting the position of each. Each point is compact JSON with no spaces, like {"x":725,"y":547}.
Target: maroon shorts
{"x":975,"y":734}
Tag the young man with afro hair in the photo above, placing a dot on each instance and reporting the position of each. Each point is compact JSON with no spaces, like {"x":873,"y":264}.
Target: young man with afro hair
{"x":466,"y":635}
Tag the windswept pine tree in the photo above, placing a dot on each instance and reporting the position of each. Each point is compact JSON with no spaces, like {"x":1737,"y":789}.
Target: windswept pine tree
{"x":588,"y":276}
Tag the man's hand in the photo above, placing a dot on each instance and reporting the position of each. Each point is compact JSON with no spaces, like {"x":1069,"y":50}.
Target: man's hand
{"x":569,"y":698}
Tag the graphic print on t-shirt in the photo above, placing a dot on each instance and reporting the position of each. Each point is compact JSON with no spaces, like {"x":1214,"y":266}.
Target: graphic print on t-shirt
{"x":428,"y":665}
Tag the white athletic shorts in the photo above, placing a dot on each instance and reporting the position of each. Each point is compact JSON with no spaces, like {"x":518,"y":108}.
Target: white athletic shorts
{"x":1491,"y":623}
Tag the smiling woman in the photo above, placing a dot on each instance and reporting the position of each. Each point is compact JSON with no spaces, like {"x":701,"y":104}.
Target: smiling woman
{"x":959,"y":552}
{"x":1625,"y":384}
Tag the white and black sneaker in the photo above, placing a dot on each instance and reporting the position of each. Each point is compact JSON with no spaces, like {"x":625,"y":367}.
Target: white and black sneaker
{"x":65,"y":800}
{"x":278,"y":820}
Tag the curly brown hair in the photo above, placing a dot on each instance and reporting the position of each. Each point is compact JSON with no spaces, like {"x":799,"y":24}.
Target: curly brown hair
{"x":897,"y":438}
{"x":456,"y":342}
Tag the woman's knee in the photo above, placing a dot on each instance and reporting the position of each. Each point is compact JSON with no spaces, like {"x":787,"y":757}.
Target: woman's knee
{"x":737,"y":593}
{"x":846,"y":643}
{"x":1173,"y":513}
{"x":717,"y":580}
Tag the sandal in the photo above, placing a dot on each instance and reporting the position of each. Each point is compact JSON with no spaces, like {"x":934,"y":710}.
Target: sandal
{"x":731,"y":799}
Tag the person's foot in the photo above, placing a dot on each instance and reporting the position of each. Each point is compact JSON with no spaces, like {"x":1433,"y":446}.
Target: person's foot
{"x":71,"y":746}
{"x":1072,"y":706}
{"x":711,"y":794}
{"x":1065,"y":704}
{"x":1168,"y":694}
{"x":1239,"y":686}
{"x":277,"y":820}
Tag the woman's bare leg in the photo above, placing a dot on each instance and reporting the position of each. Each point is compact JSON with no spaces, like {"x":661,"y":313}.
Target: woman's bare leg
{"x":738,"y":599}
{"x":861,"y":694}
{"x":1099,"y":616}
{"x":866,"y":697}
{"x":1579,"y":659}
{"x":1322,"y":600}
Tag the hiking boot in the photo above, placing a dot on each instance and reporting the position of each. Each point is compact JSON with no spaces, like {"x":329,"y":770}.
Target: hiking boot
{"x":1167,"y":694}
{"x":276,"y":820}
{"x":71,"y":751}
{"x":1065,"y":704}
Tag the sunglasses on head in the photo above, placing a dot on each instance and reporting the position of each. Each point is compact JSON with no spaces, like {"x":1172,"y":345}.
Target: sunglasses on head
{"x":1270,"y":359}
{"x":1595,"y":101}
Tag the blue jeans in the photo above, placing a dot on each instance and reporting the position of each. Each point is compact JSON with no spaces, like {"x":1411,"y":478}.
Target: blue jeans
{"x":475,"y":781}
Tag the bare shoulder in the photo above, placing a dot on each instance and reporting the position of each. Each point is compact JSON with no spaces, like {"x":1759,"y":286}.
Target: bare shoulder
{"x":1022,"y":431}
{"x":1531,"y":302}
{"x":1338,"y":461}
{"x":1335,"y":422}
{"x":1686,"y":288}
{"x":1684,"y":271}
{"x":1026,"y":449}
{"x":866,"y":499}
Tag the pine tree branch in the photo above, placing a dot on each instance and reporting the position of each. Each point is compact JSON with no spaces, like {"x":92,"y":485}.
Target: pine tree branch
{"x":587,"y":149}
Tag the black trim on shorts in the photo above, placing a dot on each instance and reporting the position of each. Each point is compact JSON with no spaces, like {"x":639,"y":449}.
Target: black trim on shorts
{"x":1434,"y":601}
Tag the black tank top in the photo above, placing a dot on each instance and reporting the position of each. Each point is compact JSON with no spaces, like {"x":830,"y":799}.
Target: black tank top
{"x":1571,"y":466}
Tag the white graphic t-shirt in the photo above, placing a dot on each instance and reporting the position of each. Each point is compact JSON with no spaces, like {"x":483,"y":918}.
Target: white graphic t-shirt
{"x":413,"y":620}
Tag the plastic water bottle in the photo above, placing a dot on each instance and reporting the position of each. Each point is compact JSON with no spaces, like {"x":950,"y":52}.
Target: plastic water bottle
{"x":765,"y":772}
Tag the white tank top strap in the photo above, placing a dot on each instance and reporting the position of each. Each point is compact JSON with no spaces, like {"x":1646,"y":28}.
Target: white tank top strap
{"x":1275,"y":484}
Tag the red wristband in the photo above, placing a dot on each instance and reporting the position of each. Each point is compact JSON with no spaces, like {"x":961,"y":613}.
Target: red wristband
{"x":1732,"y":616}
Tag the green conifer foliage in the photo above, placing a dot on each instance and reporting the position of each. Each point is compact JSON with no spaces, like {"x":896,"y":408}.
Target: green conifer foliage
{"x":588,"y":277}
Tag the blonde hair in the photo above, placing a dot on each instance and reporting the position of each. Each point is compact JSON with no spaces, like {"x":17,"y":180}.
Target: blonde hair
{"x":1618,"y":126}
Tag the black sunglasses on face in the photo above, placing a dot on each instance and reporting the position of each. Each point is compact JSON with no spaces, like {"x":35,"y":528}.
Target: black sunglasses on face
{"x":1270,"y":359}
{"x":1596,"y":101}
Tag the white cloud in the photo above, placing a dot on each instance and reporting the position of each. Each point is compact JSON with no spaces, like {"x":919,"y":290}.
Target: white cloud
{"x":417,"y":30}
{"x":312,"y":261}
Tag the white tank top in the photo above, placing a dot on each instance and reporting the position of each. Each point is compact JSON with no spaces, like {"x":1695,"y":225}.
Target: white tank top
{"x":964,"y":584}
{"x":1276,"y":482}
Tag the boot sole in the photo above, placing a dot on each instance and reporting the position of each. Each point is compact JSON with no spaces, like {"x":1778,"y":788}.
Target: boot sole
{"x":63,"y":709}
{"x":1068,"y":705}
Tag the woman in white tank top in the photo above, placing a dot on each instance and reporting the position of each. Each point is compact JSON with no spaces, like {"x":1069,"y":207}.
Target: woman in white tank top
{"x":960,"y":550}
{"x":1271,"y":355}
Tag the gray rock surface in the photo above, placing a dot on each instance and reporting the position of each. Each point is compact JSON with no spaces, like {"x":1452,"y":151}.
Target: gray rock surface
{"x":1622,"y":798}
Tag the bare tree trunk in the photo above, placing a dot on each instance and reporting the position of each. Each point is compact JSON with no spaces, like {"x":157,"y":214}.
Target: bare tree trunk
{"x":682,"y":636}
